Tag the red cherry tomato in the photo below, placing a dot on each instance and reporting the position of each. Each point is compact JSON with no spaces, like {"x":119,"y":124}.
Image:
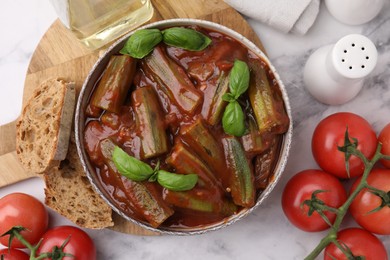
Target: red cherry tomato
{"x":19,"y":209}
{"x":300,"y":188}
{"x":376,"y":222}
{"x":384,"y":139}
{"x":329,"y":134}
{"x":360,"y":242}
{"x":13,"y":254}
{"x":80,"y":245}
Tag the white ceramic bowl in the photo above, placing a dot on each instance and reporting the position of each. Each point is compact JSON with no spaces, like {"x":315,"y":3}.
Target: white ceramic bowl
{"x":94,"y":76}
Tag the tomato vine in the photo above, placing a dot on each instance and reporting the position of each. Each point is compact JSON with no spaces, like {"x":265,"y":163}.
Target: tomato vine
{"x":57,"y":253}
{"x":340,"y":212}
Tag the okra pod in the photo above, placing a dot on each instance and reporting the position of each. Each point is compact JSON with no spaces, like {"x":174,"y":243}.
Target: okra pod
{"x":266,"y":101}
{"x":213,"y":108}
{"x":107,"y":148}
{"x":114,"y":181}
{"x":255,"y":142}
{"x":172,"y":80}
{"x":186,"y":162}
{"x":148,"y":201}
{"x":241,"y":179}
{"x":265,"y":163}
{"x":142,"y":195}
{"x":207,"y":148}
{"x":200,"y":201}
{"x":112,"y":89}
{"x":149,"y":122}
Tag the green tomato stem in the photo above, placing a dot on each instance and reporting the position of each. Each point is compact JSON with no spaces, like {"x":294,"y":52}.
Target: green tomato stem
{"x":380,"y":193}
{"x":386,"y":157}
{"x":33,"y":249}
{"x":342,"y":210}
{"x":22,"y":240}
{"x":347,"y":253}
{"x":331,"y":237}
{"x":33,"y":252}
{"x":323,"y":207}
{"x":41,"y":256}
{"x":57,"y":254}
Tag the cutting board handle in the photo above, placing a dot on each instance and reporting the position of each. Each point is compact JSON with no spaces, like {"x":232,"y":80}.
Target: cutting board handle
{"x":8,"y":137}
{"x":11,"y":170}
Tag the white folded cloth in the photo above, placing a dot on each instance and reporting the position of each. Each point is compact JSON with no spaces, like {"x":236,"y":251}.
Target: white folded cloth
{"x":295,"y":16}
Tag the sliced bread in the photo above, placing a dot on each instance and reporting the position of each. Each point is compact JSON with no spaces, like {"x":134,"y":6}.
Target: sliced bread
{"x":69,"y":192}
{"x":43,"y":130}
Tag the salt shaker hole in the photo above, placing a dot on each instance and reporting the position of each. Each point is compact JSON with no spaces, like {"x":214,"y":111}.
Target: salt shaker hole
{"x":345,"y":51}
{"x":363,"y":66}
{"x":342,"y":60}
{"x":353,"y":45}
{"x":350,"y":67}
{"x":367,"y":58}
{"x":363,"y":48}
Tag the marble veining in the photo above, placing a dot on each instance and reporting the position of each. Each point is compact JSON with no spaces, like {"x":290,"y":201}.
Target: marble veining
{"x":264,"y":234}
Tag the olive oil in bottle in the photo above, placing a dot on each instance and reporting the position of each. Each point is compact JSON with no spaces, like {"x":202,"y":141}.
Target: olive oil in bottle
{"x":98,"y":22}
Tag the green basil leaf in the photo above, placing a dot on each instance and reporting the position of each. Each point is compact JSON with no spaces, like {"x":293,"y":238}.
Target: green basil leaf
{"x":185,"y":38}
{"x":228,"y":97}
{"x":131,"y":167}
{"x":239,"y":78}
{"x":233,"y":119}
{"x":141,"y":43}
{"x":176,"y":182}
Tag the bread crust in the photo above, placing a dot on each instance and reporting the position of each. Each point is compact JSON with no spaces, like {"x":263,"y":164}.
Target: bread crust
{"x":43,"y":130}
{"x":45,"y":144}
{"x":69,"y":192}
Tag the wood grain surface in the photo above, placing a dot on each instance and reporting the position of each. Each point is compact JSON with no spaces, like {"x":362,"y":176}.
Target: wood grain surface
{"x":59,"y":54}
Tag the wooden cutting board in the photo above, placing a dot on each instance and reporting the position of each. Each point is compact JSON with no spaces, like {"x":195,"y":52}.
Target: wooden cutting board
{"x":59,"y":54}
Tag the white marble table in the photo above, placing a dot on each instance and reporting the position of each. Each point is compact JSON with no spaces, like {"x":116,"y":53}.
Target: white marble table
{"x":265,"y":234}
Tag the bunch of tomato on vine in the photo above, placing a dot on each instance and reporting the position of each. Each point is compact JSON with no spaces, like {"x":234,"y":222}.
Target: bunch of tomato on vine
{"x":24,"y":231}
{"x":346,"y":149}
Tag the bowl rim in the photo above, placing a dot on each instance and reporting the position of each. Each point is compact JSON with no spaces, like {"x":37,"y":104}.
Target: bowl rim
{"x":80,"y":124}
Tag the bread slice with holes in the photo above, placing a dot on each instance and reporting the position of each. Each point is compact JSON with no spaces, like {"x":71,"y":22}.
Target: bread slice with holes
{"x":69,"y":192}
{"x":43,"y":130}
{"x":44,"y":134}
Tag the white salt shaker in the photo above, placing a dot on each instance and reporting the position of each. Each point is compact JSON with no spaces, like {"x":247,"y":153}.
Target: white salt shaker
{"x":354,"y":12}
{"x":334,"y":74}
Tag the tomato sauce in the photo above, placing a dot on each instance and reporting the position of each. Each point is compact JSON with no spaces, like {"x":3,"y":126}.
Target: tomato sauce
{"x":204,"y":69}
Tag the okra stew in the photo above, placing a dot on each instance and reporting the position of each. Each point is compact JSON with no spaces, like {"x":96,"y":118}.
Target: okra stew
{"x":184,"y":126}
